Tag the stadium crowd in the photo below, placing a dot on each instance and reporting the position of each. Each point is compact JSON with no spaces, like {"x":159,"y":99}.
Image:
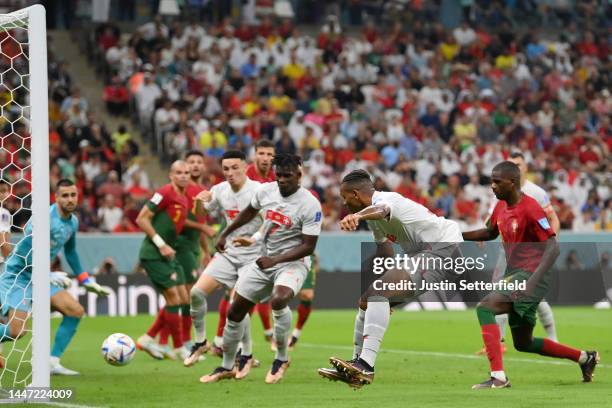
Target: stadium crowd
{"x":428,"y":111}
{"x":104,"y":163}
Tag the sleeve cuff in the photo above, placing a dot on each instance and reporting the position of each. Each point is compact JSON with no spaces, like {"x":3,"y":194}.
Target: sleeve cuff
{"x":83,"y":277}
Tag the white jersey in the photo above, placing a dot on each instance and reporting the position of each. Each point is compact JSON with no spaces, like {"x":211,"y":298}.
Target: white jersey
{"x":228,"y":203}
{"x":286,"y":218}
{"x":532,"y":190}
{"x":410,"y":223}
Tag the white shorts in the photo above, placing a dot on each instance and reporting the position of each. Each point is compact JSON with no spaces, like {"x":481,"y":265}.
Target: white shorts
{"x":257,"y":285}
{"x":224,"y":270}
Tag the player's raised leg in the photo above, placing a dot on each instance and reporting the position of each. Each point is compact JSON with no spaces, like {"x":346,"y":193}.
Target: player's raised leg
{"x":522,"y":322}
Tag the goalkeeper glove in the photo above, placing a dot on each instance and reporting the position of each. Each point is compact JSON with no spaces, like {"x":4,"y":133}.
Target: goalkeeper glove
{"x":60,"y":279}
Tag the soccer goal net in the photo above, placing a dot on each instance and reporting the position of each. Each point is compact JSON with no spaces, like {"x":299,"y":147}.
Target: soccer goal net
{"x":24,"y":199}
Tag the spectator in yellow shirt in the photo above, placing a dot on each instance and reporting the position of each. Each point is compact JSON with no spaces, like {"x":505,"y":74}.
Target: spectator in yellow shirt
{"x":465,"y":131}
{"x":449,"y":48}
{"x":294,"y":70}
{"x":206,"y":139}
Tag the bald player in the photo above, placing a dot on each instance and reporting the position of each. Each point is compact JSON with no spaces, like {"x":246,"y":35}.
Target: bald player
{"x":545,"y":313}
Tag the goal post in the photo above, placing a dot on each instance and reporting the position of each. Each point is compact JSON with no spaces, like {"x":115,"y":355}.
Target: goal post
{"x":39,"y":130}
{"x":24,"y":165}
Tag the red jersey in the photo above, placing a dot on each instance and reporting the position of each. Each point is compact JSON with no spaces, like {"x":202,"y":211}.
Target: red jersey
{"x":190,"y":236}
{"x":251,"y":173}
{"x":524,"y":222}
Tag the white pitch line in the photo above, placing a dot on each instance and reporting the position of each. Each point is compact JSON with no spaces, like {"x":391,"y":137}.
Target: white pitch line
{"x":447,"y":355}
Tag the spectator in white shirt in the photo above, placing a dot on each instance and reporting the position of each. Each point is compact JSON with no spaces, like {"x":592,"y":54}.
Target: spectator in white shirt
{"x":109,"y":214}
{"x":464,"y":34}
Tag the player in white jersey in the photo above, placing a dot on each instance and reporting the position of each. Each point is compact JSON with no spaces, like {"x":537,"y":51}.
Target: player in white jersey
{"x":545,"y":314}
{"x":392,"y":219}
{"x":292,"y":223}
{"x":225,"y":200}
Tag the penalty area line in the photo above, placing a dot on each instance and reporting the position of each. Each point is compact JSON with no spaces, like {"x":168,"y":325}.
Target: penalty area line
{"x":446,"y":355}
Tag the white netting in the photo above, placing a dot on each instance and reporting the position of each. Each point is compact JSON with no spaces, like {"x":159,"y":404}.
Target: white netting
{"x":15,"y":195}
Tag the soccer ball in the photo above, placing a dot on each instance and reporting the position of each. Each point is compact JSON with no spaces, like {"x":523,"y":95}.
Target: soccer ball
{"x":118,"y":349}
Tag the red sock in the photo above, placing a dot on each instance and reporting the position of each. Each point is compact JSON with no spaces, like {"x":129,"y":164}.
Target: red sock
{"x":174,"y":326}
{"x":223,"y":308}
{"x":158,"y":324}
{"x":492,"y":341}
{"x":553,"y":349}
{"x":303,"y":310}
{"x":186,"y":325}
{"x":164,"y":333}
{"x":264,"y":310}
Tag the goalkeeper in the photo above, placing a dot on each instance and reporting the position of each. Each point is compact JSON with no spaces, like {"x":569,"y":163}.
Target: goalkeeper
{"x":16,"y":281}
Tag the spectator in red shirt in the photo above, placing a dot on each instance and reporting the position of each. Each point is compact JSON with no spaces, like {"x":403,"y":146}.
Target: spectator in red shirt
{"x":116,"y":97}
{"x":261,"y":169}
{"x":113,"y":187}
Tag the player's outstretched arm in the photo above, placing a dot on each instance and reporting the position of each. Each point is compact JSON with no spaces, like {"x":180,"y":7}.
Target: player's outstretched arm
{"x":306,"y":248}
{"x":484,"y":234}
{"x":88,"y":282}
{"x":242,"y":218}
{"x":374,"y":212}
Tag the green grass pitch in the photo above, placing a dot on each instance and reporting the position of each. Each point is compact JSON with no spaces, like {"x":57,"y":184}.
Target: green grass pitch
{"x":427,"y":361}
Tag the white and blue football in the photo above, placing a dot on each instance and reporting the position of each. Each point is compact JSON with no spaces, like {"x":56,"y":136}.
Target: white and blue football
{"x":118,"y":349}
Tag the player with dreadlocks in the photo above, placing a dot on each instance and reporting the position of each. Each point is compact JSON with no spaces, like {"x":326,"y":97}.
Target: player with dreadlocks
{"x":292,"y":223}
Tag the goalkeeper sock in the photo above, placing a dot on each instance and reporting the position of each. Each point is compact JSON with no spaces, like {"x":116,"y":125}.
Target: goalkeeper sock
{"x":492,"y":340}
{"x":199,"y":307}
{"x":173,"y":321}
{"x":303,"y":309}
{"x":547,"y":318}
{"x":358,"y":336}
{"x":65,"y":333}
{"x":282,"y":327}
{"x":224,"y":305}
{"x":375,"y":324}
{"x":186,"y":323}
{"x":264,"y":310}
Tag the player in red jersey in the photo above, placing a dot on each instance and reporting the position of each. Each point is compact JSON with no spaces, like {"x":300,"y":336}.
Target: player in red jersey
{"x":522,"y":224}
{"x":261,"y":169}
{"x":163,"y":219}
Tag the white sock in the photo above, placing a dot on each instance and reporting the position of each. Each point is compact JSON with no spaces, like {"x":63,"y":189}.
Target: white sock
{"x":247,"y":341}
{"x":231,"y":337}
{"x":545,"y":314}
{"x":282,"y":327}
{"x":358,"y":333}
{"x":268,"y":332}
{"x":296,"y":333}
{"x":502,"y":322}
{"x":500,"y":375}
{"x":198,"y":310}
{"x":583,"y":357}
{"x":54,"y":361}
{"x":218,"y":341}
{"x":375,"y":325}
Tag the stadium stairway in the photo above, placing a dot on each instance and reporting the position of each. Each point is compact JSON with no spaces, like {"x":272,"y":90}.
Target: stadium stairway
{"x":92,"y":88}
